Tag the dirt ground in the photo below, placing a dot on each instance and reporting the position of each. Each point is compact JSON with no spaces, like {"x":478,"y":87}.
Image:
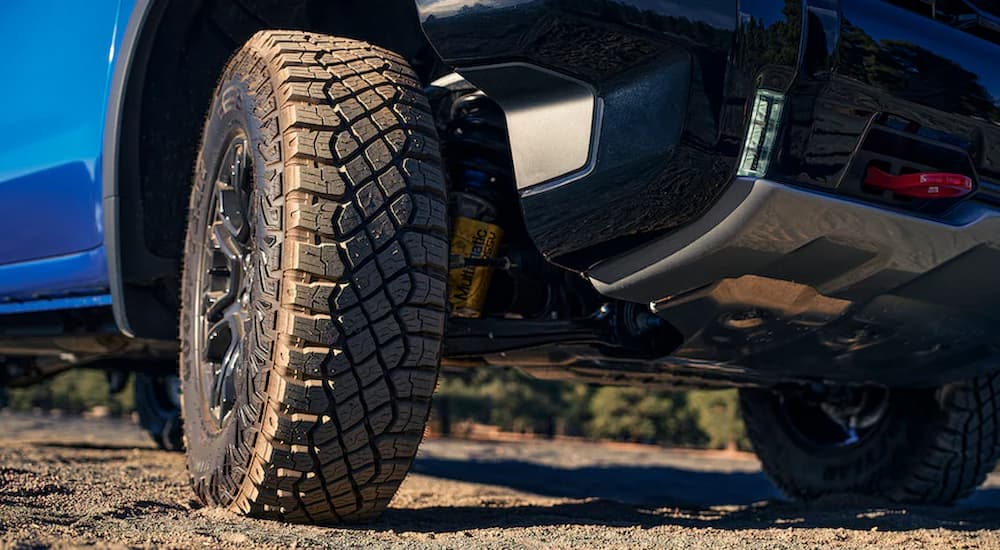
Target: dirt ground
{"x":76,"y":482}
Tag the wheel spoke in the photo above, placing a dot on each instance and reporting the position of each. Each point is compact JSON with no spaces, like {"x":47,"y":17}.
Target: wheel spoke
{"x":217,"y":300}
{"x":223,"y":354}
{"x":231,"y":190}
{"x":228,"y":244}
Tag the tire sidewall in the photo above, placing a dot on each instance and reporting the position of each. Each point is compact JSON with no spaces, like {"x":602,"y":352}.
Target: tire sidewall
{"x":212,"y":451}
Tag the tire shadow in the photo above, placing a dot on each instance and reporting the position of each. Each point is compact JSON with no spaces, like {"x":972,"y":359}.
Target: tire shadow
{"x":650,"y":496}
{"x":637,"y":485}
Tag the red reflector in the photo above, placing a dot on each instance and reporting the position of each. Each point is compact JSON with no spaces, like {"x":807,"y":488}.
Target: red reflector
{"x":922,"y":185}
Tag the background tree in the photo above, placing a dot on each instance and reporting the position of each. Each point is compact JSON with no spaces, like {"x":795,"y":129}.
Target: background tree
{"x":504,"y":398}
{"x":718,"y":414}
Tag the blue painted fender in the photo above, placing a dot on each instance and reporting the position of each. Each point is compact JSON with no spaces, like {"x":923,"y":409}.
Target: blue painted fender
{"x":52,"y":132}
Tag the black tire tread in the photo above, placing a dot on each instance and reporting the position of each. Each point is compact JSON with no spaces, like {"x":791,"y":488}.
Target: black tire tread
{"x":949,"y":457}
{"x":964,"y":442}
{"x":358,"y":232}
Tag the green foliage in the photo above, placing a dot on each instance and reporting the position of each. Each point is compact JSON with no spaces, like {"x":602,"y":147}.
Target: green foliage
{"x":719,"y":417}
{"x":638,"y":415}
{"x":504,"y":398}
{"x":514,"y":402}
{"x":76,"y":390}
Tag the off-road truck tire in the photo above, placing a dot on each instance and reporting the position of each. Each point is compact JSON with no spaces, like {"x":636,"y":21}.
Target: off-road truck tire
{"x":343,"y":277}
{"x":931,"y":446}
{"x":157,"y":402}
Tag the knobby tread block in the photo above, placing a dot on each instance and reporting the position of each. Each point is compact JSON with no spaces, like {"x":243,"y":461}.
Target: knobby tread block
{"x":963,"y":449}
{"x":353,"y":221}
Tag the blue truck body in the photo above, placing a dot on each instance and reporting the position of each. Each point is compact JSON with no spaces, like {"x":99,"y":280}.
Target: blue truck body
{"x":53,"y":256}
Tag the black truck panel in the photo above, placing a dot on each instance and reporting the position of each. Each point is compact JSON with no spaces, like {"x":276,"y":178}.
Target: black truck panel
{"x":675,"y":83}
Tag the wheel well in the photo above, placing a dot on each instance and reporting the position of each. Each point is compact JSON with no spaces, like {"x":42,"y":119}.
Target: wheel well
{"x":177,"y":54}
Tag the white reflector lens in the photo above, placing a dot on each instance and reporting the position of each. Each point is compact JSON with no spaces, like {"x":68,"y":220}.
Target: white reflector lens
{"x":759,"y":145}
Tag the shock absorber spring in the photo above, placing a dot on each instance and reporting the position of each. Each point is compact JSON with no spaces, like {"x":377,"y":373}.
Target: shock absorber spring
{"x":476,"y":145}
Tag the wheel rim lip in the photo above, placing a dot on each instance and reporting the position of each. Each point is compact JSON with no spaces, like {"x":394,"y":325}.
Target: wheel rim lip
{"x":220,"y":365}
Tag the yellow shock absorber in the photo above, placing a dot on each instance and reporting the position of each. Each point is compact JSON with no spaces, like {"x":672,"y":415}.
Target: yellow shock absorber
{"x":469,"y":284}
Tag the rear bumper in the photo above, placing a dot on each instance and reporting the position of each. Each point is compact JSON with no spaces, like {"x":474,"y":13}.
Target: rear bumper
{"x":774,"y":275}
{"x":841,"y":247}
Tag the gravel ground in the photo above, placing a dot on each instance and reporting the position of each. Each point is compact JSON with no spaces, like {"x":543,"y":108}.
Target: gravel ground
{"x":76,"y":482}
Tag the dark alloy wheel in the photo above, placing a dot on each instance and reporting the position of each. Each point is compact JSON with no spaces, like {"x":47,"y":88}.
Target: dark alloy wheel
{"x":830,"y":420}
{"x":314,"y":286}
{"x":931,"y":445}
{"x":223,"y":274}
